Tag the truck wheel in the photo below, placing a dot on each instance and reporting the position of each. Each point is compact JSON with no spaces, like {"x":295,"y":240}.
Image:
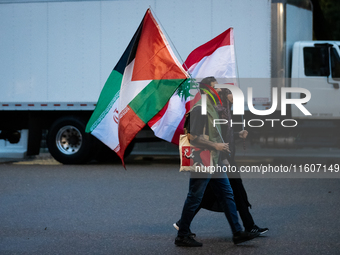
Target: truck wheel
{"x":67,"y":141}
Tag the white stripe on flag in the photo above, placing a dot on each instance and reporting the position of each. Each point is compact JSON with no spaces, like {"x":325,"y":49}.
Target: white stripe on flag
{"x":167,"y":125}
{"x":220,"y":64}
{"x":107,"y":129}
{"x":130,"y":89}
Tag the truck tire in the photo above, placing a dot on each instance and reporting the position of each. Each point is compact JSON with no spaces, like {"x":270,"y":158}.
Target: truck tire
{"x":67,"y":141}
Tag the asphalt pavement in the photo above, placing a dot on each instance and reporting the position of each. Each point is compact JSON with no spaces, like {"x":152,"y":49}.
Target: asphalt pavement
{"x":50,"y":208}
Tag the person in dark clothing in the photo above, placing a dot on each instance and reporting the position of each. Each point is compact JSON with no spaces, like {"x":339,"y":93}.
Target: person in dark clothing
{"x":240,"y":194}
{"x":209,"y":200}
{"x":219,"y":184}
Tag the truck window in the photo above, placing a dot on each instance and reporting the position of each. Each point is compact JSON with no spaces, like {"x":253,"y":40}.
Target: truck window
{"x":316,"y":61}
{"x":335,"y":61}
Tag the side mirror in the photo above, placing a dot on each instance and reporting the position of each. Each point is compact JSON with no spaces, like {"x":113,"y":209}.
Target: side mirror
{"x":335,"y":85}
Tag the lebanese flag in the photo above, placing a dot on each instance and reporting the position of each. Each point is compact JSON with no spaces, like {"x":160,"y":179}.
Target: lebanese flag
{"x":140,"y":85}
{"x":214,"y":58}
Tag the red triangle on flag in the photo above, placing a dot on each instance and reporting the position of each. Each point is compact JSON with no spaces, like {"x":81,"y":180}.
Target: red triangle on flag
{"x":153,"y":59}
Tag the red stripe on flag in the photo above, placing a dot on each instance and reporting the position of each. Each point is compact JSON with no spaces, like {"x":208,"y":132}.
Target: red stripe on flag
{"x":127,"y":131}
{"x":179,"y":131}
{"x":208,"y":48}
{"x":158,"y":116}
{"x":153,"y":60}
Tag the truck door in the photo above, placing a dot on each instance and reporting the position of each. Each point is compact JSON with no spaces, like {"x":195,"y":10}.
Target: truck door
{"x":319,"y":72}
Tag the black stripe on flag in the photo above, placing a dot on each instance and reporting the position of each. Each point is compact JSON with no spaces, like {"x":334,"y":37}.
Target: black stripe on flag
{"x":130,"y":52}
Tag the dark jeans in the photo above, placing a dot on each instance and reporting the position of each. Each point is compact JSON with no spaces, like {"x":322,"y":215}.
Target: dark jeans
{"x":221,"y":188}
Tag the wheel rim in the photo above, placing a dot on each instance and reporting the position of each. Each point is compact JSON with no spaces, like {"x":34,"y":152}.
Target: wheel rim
{"x":69,"y":140}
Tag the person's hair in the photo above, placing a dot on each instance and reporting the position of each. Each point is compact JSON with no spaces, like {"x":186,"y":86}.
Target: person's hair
{"x":207,"y":81}
{"x":227,"y":91}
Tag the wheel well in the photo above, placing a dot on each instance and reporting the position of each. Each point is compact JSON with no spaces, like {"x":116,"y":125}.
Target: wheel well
{"x":67,"y":141}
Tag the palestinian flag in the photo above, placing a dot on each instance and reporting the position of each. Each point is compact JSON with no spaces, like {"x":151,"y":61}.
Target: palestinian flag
{"x":214,"y":58}
{"x":139,"y":86}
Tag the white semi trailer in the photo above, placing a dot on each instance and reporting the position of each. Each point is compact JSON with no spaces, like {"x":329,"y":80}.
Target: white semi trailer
{"x":55,"y":57}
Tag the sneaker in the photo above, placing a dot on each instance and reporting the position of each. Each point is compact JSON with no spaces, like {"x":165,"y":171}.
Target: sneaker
{"x":257,"y":229}
{"x":176,"y":226}
{"x":243,"y":236}
{"x":187,"y":241}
